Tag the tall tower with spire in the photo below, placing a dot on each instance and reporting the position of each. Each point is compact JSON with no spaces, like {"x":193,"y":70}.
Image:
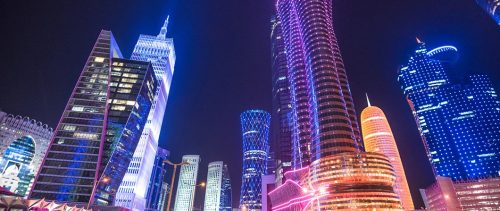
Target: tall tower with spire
{"x":378,"y":137}
{"x":159,"y":50}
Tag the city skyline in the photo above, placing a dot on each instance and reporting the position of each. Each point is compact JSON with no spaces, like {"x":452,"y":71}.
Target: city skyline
{"x":358,"y":88}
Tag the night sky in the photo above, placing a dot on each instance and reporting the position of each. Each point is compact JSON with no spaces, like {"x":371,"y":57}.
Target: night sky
{"x":223,"y":62}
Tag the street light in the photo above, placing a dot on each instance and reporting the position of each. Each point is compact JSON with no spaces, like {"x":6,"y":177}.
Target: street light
{"x":202,"y":185}
{"x":173,"y":179}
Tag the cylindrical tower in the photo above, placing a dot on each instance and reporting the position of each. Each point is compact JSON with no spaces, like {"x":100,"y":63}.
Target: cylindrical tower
{"x":325,"y":131}
{"x":321,"y":101}
{"x":378,"y":137}
{"x":255,"y":129}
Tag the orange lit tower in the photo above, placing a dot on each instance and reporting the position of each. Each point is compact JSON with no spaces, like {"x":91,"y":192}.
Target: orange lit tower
{"x":377,"y":136}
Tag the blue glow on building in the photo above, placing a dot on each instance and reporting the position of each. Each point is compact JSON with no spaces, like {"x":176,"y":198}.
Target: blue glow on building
{"x":159,"y":50}
{"x":255,"y":129}
{"x":16,"y":171}
{"x":492,"y":7}
{"x":99,"y":130}
{"x":458,"y":121}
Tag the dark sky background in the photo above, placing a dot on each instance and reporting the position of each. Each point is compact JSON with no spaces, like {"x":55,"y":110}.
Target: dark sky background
{"x":223,"y":62}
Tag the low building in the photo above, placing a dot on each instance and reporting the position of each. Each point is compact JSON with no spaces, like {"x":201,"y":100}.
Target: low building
{"x":480,"y":194}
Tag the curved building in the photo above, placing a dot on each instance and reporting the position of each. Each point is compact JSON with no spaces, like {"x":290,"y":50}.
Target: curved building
{"x":378,"y":137}
{"x":324,"y":127}
{"x":16,"y":171}
{"x":255,"y":129}
{"x":186,"y":185}
{"x":218,"y":189}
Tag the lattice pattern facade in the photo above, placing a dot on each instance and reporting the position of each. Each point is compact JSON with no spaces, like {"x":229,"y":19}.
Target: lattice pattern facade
{"x":255,"y":129}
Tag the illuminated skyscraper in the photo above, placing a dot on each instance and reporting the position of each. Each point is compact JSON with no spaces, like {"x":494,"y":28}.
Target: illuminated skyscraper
{"x":326,"y":141}
{"x":184,"y":198}
{"x":255,"y":129}
{"x":159,"y":50}
{"x":16,"y":171}
{"x":14,"y":127}
{"x":458,"y":121}
{"x":378,"y":137}
{"x":218,"y":190}
{"x":99,"y":129}
{"x":281,"y":138}
{"x":492,"y":7}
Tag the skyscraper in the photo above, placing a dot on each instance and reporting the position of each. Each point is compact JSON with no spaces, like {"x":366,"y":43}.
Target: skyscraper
{"x":184,"y":198}
{"x":99,"y":129}
{"x":218,"y":190}
{"x":155,"y":198}
{"x":159,"y":50}
{"x":378,"y":137}
{"x":14,"y":127}
{"x":457,"y":119}
{"x":492,"y":7}
{"x":326,"y":141}
{"x":281,"y":143}
{"x":16,"y":171}
{"x":255,"y":130}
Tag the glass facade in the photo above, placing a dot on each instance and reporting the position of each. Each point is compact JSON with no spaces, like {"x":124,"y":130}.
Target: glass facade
{"x":14,"y":127}
{"x":184,"y":198}
{"x":492,"y":7}
{"x":16,"y":171}
{"x":378,"y":137}
{"x":218,"y":190}
{"x":157,"y":183}
{"x":99,"y":129}
{"x":457,"y":120}
{"x":255,"y":129}
{"x":159,"y":50}
{"x":281,"y":143}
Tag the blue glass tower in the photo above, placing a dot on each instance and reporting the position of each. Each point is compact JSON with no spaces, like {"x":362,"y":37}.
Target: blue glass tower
{"x":99,"y":129}
{"x":226,"y":191}
{"x":255,"y":129}
{"x":156,"y":195}
{"x":458,"y":120}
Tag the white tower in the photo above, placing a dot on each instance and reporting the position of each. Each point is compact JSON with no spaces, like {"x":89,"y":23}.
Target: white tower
{"x":160,"y":51}
{"x":184,"y":198}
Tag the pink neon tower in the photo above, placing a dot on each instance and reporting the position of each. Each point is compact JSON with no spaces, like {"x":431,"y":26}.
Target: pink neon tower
{"x":332,"y":172}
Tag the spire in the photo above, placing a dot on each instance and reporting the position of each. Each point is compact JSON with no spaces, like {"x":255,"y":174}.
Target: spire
{"x":163,"y":31}
{"x":368,"y":100}
{"x":418,"y":40}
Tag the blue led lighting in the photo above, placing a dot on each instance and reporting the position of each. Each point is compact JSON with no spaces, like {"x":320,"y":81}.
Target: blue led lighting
{"x":459,"y":122}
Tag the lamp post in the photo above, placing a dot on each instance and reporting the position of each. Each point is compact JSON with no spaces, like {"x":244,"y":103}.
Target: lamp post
{"x":173,"y":180}
{"x":202,"y":184}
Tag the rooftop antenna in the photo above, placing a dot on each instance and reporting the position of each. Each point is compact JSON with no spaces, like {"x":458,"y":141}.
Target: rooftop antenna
{"x":418,"y":40}
{"x":368,"y":100}
{"x":163,"y":31}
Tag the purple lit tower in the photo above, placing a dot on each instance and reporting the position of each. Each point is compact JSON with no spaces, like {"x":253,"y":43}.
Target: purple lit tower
{"x":331,"y":170}
{"x":319,"y":87}
{"x":159,"y":50}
